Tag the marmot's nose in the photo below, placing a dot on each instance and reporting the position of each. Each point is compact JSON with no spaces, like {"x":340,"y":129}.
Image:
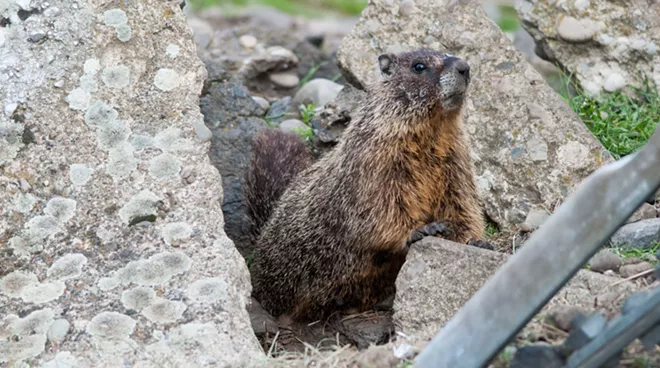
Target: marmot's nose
{"x":463,"y":68}
{"x":459,"y":65}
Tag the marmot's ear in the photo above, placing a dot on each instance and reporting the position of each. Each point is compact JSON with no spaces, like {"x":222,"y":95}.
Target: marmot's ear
{"x":386,"y":63}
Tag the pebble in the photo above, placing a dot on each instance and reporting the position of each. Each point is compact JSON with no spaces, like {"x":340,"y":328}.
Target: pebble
{"x":614,"y":82}
{"x":641,"y":234}
{"x":292,"y":125}
{"x":562,"y":315}
{"x":25,"y":186}
{"x":285,"y":80}
{"x":58,"y":330}
{"x":248,"y":41}
{"x":633,"y":269}
{"x":278,"y":109}
{"x":610,"y":273}
{"x":573,"y":30}
{"x":202,"y":131}
{"x":407,"y":8}
{"x":534,"y":219}
{"x":581,"y":5}
{"x":262,"y":102}
{"x":10,"y":108}
{"x":605,"y":260}
{"x":318,"y":91}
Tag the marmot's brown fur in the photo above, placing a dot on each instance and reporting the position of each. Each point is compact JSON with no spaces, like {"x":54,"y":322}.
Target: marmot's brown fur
{"x":338,"y":235}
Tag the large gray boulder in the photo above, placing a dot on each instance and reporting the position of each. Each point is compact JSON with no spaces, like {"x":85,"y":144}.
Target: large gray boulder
{"x":605,"y":44}
{"x":440,"y":276}
{"x":530,"y":148}
{"x":112,"y":247}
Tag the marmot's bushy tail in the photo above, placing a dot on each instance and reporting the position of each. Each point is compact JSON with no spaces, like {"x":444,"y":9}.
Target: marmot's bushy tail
{"x":277,"y":157}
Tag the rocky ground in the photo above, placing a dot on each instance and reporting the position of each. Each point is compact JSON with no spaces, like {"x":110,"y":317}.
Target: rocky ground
{"x":288,"y":73}
{"x":120,"y":240}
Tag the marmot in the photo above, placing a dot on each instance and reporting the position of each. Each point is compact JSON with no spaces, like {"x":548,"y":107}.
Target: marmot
{"x":337,"y":231}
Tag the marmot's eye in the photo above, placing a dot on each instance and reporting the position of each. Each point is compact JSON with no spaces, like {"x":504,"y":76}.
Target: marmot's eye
{"x":419,"y":67}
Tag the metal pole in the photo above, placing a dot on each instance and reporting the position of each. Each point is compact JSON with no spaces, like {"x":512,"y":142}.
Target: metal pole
{"x":549,"y":259}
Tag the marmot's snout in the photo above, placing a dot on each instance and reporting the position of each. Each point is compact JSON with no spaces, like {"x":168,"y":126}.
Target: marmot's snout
{"x":454,"y":81}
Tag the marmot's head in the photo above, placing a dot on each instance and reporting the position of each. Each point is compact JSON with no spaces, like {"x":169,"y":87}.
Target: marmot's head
{"x":425,"y":80}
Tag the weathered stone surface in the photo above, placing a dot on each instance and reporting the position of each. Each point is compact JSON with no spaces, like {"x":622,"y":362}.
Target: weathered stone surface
{"x":604,"y":44}
{"x":233,"y":117}
{"x":530,"y":148}
{"x":640,"y":234}
{"x":440,"y":276}
{"x":112,"y":174}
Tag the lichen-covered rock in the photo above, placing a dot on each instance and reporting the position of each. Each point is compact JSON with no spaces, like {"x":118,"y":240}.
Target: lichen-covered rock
{"x":530,"y":148}
{"x":112,"y":243}
{"x":604,"y":44}
{"x":439,"y":277}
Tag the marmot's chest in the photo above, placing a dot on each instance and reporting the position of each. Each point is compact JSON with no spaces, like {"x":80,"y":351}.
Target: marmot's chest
{"x":423,"y":189}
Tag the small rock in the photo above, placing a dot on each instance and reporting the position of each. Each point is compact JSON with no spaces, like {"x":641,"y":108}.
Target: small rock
{"x":633,"y":269}
{"x":534,"y":219}
{"x":644,"y":212}
{"x":652,"y":258}
{"x":278,"y":109}
{"x":275,"y":58}
{"x":202,"y":131}
{"x":318,"y":91}
{"x":325,"y":136}
{"x":573,"y":30}
{"x":58,"y":330}
{"x":562,"y":315}
{"x":262,"y":102}
{"x":605,"y":260}
{"x":407,"y":7}
{"x":36,"y":36}
{"x":614,"y":82}
{"x":292,"y":125}
{"x":10,"y":108}
{"x":285,"y":80}
{"x":641,"y":234}
{"x":248,"y":41}
{"x":25,"y":186}
{"x":610,"y":273}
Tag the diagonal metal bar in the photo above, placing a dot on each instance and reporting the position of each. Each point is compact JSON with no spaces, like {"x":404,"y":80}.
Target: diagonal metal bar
{"x":550,"y":258}
{"x":619,"y":334}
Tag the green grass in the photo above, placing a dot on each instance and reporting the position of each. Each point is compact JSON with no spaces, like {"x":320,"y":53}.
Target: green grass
{"x":310,"y":73}
{"x":643,"y":254}
{"x":509,"y":21}
{"x":491,"y":229}
{"x":310,"y":8}
{"x":307,"y":113}
{"x":622,"y":123}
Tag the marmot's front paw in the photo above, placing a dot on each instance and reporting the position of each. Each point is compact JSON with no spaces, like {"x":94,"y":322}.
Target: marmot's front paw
{"x":442,"y":229}
{"x":480,"y":243}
